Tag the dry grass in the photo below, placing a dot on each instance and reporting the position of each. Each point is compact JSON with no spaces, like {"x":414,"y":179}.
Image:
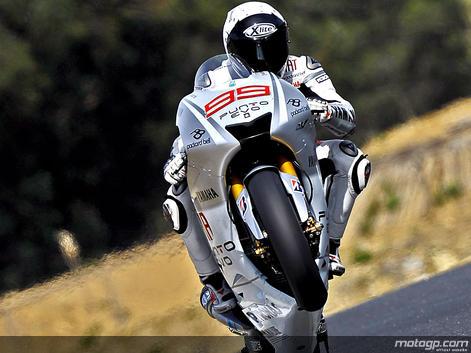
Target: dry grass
{"x":145,"y":291}
{"x":432,"y":127}
{"x":413,"y":221}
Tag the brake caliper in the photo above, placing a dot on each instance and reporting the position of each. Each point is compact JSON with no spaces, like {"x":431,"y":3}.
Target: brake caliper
{"x":312,"y":231}
{"x":313,"y":228}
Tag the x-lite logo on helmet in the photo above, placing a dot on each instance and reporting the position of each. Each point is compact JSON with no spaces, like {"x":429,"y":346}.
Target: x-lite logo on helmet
{"x":260,"y":30}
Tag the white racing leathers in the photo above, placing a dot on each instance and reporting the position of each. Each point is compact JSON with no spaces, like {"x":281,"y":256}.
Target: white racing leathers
{"x":345,"y":169}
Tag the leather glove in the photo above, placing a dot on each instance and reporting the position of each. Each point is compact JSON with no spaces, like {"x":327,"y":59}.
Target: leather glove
{"x":175,"y":169}
{"x":320,"y":109}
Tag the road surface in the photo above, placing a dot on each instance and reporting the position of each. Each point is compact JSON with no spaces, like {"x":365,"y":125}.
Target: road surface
{"x":439,"y":306}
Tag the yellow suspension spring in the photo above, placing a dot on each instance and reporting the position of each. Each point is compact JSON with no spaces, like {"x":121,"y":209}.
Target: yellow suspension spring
{"x":236,"y":187}
{"x":286,"y":166}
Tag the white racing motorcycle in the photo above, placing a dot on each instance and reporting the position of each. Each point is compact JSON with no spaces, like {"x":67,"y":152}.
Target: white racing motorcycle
{"x":256,"y":185}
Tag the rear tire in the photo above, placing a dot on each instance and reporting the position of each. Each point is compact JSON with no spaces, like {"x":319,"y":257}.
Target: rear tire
{"x":289,"y":243}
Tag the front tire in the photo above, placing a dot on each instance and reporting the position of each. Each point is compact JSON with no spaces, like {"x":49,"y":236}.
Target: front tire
{"x":279,"y":219}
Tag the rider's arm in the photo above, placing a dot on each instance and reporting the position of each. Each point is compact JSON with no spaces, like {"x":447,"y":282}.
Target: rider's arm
{"x":175,"y":168}
{"x":319,"y":89}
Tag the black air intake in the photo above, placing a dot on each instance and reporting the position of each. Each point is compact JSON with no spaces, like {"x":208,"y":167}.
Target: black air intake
{"x":251,"y":129}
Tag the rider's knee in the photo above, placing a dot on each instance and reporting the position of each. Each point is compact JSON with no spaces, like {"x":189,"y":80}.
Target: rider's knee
{"x":359,"y":172}
{"x":348,"y":161}
{"x":174,"y":208}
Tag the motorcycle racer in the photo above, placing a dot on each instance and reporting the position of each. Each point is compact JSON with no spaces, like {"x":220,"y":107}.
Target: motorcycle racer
{"x":255,"y":37}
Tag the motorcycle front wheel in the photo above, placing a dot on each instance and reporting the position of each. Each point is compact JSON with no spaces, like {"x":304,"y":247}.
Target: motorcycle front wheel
{"x":279,"y":219}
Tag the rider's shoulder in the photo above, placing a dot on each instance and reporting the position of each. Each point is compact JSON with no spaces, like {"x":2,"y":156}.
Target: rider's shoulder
{"x":302,"y":62}
{"x":213,"y":69}
{"x":298,"y":68}
{"x":312,"y":63}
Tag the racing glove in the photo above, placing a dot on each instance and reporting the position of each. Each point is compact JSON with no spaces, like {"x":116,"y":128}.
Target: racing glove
{"x":321,"y":110}
{"x":175,"y":168}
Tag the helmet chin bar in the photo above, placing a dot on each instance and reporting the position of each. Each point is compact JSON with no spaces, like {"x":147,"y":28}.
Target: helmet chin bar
{"x":259,"y":49}
{"x":242,"y":69}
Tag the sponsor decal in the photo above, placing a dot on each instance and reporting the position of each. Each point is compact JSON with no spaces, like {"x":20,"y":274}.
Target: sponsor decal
{"x":243,"y":205}
{"x":232,"y":83}
{"x":206,"y":195}
{"x":296,"y":185}
{"x":322,"y":78}
{"x":274,"y":335}
{"x":220,"y":253}
{"x":289,"y":77}
{"x":252,"y":316}
{"x":294,"y":102}
{"x":260,"y":313}
{"x":260,"y":30}
{"x":321,"y":215}
{"x":198,"y":133}
{"x":226,"y":98}
{"x":198,"y":143}
{"x":271,"y":331}
{"x":245,"y":110}
{"x":291,"y":65}
{"x":206,"y":226}
{"x":296,"y":84}
{"x":301,"y":124}
{"x":299,"y":111}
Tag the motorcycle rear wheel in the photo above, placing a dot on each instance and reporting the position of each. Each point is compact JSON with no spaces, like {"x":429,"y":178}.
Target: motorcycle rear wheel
{"x":279,"y":219}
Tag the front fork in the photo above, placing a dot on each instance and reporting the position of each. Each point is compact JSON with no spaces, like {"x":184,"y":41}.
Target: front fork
{"x":311,"y":227}
{"x":284,"y":165}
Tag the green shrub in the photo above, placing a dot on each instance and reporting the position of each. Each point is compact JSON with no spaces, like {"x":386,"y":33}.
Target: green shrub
{"x":448,"y":192}
{"x":392,"y":200}
{"x":361,"y":256}
{"x":366,"y":227}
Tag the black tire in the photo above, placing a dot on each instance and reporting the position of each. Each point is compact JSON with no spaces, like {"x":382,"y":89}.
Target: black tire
{"x":279,"y":219}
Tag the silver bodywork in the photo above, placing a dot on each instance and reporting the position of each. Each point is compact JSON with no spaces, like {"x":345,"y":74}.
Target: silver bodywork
{"x":202,"y":118}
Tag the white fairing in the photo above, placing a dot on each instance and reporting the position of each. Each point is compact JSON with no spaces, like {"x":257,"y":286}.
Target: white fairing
{"x":202,"y":118}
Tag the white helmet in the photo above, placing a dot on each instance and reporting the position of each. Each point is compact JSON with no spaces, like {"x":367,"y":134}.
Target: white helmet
{"x":257,"y":35}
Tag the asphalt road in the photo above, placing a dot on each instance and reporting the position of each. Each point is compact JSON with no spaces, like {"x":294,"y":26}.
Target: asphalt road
{"x":439,"y":306}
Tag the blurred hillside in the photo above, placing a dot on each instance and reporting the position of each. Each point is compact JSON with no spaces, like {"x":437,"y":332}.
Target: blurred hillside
{"x":413,"y":221}
{"x":89,"y":89}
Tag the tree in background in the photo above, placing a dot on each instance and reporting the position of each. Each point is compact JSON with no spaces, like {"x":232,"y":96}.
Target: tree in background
{"x":89,"y":89}
{"x":81,"y":84}
{"x":392,"y":59}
